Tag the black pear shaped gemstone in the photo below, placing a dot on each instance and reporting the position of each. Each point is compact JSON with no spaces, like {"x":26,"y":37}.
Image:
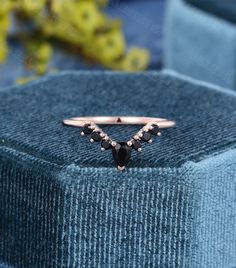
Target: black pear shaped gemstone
{"x":121,"y":154}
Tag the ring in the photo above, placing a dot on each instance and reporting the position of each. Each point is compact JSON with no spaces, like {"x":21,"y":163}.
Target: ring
{"x":121,"y":151}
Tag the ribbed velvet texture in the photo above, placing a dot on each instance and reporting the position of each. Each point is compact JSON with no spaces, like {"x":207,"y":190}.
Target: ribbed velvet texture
{"x":200,"y":42}
{"x":63,"y":204}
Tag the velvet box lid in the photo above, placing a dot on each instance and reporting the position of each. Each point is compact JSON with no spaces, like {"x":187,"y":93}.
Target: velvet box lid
{"x":63,"y":203}
{"x":31,"y":118}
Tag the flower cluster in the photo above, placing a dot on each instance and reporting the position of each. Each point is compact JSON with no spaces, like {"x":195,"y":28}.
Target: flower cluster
{"x":80,"y":26}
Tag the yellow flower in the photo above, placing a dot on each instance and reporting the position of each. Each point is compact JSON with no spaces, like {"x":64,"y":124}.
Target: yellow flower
{"x":74,"y":22}
{"x":4,"y":24}
{"x":32,"y":6}
{"x":44,"y":52}
{"x":5,"y":6}
{"x":87,"y":16}
{"x":3,"y":50}
{"x":109,"y":46}
{"x":57,"y":6}
{"x":72,"y":33}
{"x":137,"y":59}
{"x":38,"y":55}
{"x":40,"y":67}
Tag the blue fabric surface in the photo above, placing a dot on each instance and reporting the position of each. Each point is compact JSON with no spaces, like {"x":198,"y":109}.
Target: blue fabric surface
{"x":142,"y":24}
{"x":200,"y":44}
{"x":63,"y":204}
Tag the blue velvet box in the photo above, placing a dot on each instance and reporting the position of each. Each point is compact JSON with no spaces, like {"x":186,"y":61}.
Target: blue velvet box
{"x":63,"y":204}
{"x":200,"y":40}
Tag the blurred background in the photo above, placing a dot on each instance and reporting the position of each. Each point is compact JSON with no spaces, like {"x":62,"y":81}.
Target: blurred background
{"x":192,"y":37}
{"x":41,"y":37}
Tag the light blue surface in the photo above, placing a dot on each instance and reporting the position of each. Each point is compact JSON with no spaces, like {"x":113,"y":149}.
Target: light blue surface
{"x":214,"y":230}
{"x":200,"y":45}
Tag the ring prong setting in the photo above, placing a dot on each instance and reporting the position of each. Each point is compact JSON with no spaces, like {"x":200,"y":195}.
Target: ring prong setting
{"x":113,"y":143}
{"x":121,"y":168}
{"x":129,"y":143}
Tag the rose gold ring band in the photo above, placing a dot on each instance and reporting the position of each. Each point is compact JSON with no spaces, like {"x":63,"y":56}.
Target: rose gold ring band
{"x":119,"y":120}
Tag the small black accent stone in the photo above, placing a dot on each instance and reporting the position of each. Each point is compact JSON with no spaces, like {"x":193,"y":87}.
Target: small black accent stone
{"x":146,"y":136}
{"x":87,"y":130}
{"x":106,"y":145}
{"x":121,"y":154}
{"x":96,"y":136}
{"x":136,"y":144}
{"x":154,"y":130}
